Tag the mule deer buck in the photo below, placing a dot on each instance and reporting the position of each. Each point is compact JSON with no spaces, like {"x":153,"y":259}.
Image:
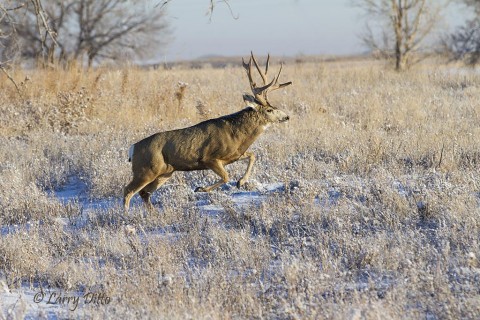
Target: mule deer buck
{"x":211,"y":144}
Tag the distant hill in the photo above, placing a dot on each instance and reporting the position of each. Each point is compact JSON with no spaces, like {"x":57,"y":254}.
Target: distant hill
{"x":219,"y":61}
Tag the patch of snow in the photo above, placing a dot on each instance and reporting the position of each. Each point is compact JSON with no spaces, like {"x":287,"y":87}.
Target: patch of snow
{"x":74,"y":190}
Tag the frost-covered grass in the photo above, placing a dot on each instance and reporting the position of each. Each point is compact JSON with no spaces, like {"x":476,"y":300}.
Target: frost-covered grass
{"x":365,"y":204}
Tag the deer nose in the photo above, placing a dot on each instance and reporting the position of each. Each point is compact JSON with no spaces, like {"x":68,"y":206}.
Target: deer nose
{"x":286,"y":118}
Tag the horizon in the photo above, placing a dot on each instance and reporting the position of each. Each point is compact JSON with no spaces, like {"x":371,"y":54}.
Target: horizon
{"x":236,"y":30}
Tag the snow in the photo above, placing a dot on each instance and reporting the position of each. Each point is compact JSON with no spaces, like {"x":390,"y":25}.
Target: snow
{"x":21,"y":302}
{"x":76,"y":192}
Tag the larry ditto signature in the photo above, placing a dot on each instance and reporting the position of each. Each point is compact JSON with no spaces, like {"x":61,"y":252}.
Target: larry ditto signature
{"x":71,"y":301}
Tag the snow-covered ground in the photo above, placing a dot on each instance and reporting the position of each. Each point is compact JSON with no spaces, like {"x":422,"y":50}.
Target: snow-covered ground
{"x":30,"y":302}
{"x":53,"y":303}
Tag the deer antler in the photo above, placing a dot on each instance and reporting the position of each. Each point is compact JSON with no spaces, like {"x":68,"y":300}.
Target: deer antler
{"x":260,"y":93}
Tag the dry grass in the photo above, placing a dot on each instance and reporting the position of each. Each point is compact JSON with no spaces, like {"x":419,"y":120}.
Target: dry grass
{"x":379,"y":217}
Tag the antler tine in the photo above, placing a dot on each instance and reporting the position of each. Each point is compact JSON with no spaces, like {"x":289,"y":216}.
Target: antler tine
{"x":263,"y":75}
{"x":281,"y":85}
{"x":264,"y":88}
{"x":267,"y":64}
{"x":257,"y":92}
{"x":248,"y":68}
{"x":279,"y":71}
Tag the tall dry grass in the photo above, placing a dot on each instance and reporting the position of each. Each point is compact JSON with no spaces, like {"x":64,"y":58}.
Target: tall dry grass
{"x":378,"y":217}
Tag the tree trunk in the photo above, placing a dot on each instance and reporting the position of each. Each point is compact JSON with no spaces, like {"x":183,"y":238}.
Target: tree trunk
{"x":398,"y":25}
{"x":398,"y":56}
{"x":90,"y":60}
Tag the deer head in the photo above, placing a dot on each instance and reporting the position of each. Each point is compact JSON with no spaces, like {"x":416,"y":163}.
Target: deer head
{"x":259,"y":100}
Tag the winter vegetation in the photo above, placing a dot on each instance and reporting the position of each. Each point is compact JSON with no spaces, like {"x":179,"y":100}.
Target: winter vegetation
{"x":364,"y":205}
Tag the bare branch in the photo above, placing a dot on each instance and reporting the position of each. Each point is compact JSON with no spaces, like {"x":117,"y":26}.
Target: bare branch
{"x":212,"y":7}
{"x":90,"y":30}
{"x":42,"y":22}
{"x":464,"y":42}
{"x":11,"y":79}
{"x":162,"y":4}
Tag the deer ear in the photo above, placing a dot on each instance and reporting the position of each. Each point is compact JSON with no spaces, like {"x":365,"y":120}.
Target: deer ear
{"x":248,"y":98}
{"x":251,"y":101}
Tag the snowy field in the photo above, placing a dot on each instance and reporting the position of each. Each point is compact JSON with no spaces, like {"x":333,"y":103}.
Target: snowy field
{"x":30,"y":301}
{"x":364,"y":205}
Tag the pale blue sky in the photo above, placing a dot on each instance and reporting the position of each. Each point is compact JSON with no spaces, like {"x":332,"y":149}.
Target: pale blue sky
{"x":281,"y":27}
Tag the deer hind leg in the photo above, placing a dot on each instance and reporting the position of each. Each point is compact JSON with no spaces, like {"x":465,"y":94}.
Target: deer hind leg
{"x":217,"y":167}
{"x":133,"y":187}
{"x":147,"y":191}
{"x":251,"y":159}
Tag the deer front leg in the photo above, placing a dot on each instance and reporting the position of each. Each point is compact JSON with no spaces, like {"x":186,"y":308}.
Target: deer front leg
{"x":217,"y":167}
{"x":251,"y":159}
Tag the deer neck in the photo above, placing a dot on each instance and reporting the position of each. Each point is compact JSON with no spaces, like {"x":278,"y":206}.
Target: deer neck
{"x":249,"y":125}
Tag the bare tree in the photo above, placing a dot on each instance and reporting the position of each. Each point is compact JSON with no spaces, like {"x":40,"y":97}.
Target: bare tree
{"x":9,"y":26}
{"x":464,"y":43}
{"x":9,"y":44}
{"x":90,"y":30}
{"x":113,"y":28}
{"x":402,"y":26}
{"x":8,"y":31}
{"x":8,"y":34}
{"x":38,"y":27}
{"x":85,"y":30}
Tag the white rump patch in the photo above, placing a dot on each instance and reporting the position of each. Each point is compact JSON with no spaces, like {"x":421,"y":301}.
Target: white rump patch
{"x":130,"y":152}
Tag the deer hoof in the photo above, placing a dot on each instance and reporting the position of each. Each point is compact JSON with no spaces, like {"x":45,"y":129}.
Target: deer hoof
{"x":240,"y":183}
{"x":200,"y":189}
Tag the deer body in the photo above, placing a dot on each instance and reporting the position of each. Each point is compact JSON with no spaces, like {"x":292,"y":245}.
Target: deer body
{"x":210,"y":144}
{"x":225,"y":138}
